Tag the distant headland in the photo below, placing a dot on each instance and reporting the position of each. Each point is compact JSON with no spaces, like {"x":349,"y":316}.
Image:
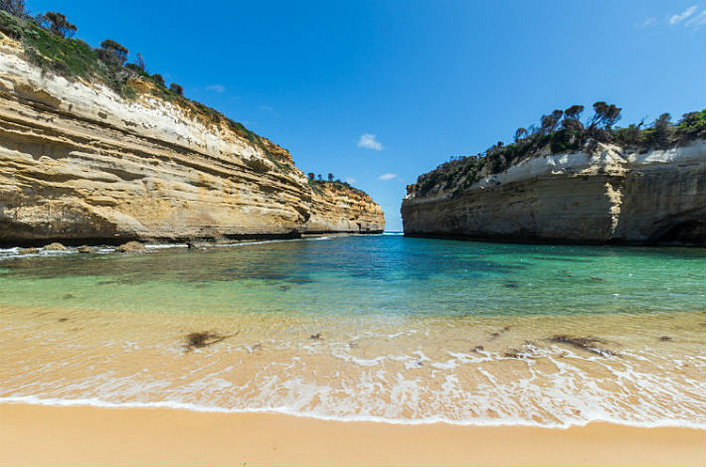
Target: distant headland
{"x":565,"y":181}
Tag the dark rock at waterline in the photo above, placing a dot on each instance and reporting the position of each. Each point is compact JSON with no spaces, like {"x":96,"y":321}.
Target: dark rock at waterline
{"x":665,"y":339}
{"x":584,"y":343}
{"x":131,"y":247}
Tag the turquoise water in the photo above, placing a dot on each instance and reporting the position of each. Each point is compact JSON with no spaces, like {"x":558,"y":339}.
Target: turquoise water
{"x":384,"y":328}
{"x":380,"y":275}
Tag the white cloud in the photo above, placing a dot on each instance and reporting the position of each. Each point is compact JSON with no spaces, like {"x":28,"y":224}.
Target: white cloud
{"x":651,"y":21}
{"x":266,"y":107}
{"x":216,"y":88}
{"x":696,"y":21}
{"x":387,"y":176}
{"x":368,"y":141}
{"x":350,"y":180}
{"x":679,"y":17}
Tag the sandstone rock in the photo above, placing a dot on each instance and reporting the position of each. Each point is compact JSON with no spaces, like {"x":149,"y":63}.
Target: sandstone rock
{"x":28,"y":251}
{"x":338,"y":208}
{"x":85,"y":249}
{"x":606,"y":197}
{"x":131,"y":247}
{"x":56,"y":246}
{"x":79,"y":162}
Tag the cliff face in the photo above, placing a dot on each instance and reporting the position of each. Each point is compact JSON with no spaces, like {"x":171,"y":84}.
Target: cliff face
{"x":80,"y":163}
{"x":608,"y":196}
{"x":337,"y":208}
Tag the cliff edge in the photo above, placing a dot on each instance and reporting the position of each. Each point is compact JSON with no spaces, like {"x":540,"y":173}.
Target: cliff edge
{"x":601,"y":193}
{"x":81,"y":162}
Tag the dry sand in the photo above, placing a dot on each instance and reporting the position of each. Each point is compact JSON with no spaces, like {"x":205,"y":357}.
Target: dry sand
{"x":31,"y":434}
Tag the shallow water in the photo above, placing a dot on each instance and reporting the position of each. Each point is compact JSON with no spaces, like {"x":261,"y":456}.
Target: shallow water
{"x":377,"y":328}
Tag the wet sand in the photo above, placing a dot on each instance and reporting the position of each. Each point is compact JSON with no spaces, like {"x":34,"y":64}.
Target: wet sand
{"x":43,"y":435}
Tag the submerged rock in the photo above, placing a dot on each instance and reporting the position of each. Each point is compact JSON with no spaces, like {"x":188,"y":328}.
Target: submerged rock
{"x":131,"y":247}
{"x":56,"y":246}
{"x":85,"y":249}
{"x":28,"y":251}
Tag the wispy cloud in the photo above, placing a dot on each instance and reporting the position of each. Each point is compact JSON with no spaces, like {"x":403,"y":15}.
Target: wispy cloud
{"x":266,"y":107}
{"x":350,"y":180}
{"x":679,"y":17}
{"x":387,"y":176}
{"x":651,"y":21}
{"x":368,"y":140}
{"x":689,"y":18}
{"x":216,"y":88}
{"x":696,"y":21}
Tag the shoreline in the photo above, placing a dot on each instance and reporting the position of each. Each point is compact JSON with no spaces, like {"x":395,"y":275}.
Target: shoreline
{"x":162,"y":436}
{"x":211,"y":241}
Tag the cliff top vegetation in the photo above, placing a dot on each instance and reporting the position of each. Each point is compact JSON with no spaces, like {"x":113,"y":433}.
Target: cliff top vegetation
{"x":317,"y":183}
{"x":559,"y":132}
{"x":48,"y":42}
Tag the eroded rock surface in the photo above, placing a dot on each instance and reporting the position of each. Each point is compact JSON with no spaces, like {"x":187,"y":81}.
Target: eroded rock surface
{"x":81,"y":164}
{"x":611,"y":195}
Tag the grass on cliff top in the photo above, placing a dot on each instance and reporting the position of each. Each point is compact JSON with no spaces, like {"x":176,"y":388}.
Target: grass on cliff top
{"x":556,"y":136}
{"x":318,"y":185}
{"x":74,"y":58}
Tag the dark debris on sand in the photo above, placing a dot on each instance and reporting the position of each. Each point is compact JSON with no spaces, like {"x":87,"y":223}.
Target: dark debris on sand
{"x":198,"y":340}
{"x":584,"y":343}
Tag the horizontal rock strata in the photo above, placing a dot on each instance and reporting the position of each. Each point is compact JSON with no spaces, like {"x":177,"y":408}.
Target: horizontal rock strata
{"x":609,"y":196}
{"x":79,"y":163}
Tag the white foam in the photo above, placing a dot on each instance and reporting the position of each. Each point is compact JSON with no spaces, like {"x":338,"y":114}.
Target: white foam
{"x":509,"y":421}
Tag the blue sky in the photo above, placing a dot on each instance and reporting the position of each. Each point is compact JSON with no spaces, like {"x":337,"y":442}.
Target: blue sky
{"x":379,"y":92}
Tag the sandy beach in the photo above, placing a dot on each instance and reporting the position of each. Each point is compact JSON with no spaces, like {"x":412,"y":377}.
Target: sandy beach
{"x":43,"y":435}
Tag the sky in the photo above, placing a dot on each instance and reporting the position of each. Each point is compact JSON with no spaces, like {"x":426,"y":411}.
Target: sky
{"x":379,"y":92}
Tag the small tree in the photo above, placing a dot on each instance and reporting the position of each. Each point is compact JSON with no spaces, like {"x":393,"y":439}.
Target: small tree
{"x":111,"y":51}
{"x":140,"y":62}
{"x":14,"y":7}
{"x":330,"y":177}
{"x":606,"y":115}
{"x":572,"y":118}
{"x":663,"y":131}
{"x":319,"y":176}
{"x":573,"y":112}
{"x":520,"y":133}
{"x":311,"y":175}
{"x":630,"y":136}
{"x":550,"y":122}
{"x":157,"y":78}
{"x":57,"y":24}
{"x":176,"y":89}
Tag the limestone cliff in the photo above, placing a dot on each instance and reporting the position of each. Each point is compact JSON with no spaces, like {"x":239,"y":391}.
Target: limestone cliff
{"x":339,"y":208}
{"x":80,"y":163}
{"x":606,"y":195}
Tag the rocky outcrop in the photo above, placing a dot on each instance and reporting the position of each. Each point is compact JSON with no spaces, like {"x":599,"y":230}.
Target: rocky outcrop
{"x":339,"y":208}
{"x":610,"y":195}
{"x":80,"y":164}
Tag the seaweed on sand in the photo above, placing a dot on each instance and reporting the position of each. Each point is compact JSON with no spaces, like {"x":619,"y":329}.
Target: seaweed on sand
{"x":584,"y":343}
{"x":198,"y":340}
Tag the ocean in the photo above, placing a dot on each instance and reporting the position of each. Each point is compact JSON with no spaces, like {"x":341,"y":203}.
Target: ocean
{"x":380,"y":328}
